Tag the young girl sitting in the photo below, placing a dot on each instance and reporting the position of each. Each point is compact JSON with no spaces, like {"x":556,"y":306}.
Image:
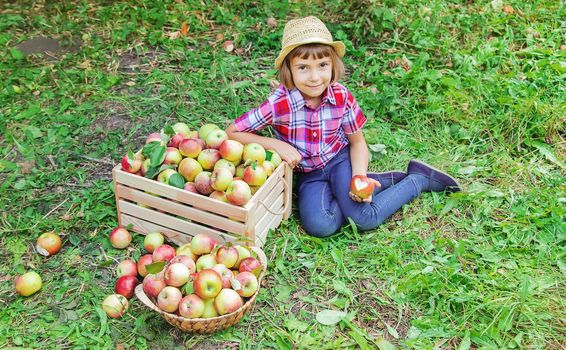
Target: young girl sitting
{"x":318,"y":125}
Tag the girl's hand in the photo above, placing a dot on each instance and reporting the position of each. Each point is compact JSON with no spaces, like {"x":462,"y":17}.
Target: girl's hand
{"x":368,"y":199}
{"x":288,"y":154}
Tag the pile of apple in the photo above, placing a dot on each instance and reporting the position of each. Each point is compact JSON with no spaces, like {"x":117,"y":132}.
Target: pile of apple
{"x":200,"y":279}
{"x":204,"y":161}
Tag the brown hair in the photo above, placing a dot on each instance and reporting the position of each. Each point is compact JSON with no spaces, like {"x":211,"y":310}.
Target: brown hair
{"x":317,"y":51}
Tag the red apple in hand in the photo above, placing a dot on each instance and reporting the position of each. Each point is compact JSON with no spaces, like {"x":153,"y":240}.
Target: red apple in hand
{"x":48,"y":244}
{"x":361,"y":186}
{"x":125,"y":286}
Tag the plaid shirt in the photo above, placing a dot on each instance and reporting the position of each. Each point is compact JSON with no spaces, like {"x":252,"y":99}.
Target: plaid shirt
{"x":317,"y":134}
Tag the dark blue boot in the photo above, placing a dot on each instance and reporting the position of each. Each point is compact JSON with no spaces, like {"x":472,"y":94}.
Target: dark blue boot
{"x":438,"y":181}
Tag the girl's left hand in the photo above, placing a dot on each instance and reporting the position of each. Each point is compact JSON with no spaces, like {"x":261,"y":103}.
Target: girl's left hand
{"x":355,"y":198}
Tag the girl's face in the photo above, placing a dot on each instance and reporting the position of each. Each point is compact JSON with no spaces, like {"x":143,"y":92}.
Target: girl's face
{"x":311,"y":75}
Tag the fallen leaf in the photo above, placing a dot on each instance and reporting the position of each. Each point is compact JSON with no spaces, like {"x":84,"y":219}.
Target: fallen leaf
{"x":184,"y":29}
{"x":26,"y":166}
{"x":508,"y":9}
{"x":66,"y":217}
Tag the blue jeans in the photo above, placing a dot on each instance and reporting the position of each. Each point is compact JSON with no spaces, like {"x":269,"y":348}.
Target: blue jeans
{"x":324,"y":204}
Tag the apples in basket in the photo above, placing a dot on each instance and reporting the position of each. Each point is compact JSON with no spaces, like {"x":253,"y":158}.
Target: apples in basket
{"x":203,"y":286}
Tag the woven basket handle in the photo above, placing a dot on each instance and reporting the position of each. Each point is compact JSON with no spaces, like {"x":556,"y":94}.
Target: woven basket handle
{"x":287,"y":204}
{"x":145,"y":299}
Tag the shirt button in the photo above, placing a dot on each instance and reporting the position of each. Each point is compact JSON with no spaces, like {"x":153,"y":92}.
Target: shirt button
{"x":314,"y":134}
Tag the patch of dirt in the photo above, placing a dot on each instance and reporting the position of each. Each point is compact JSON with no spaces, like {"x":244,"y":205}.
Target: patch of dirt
{"x":115,"y":118}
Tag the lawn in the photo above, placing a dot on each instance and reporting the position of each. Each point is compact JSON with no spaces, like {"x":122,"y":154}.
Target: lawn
{"x":474,"y":87}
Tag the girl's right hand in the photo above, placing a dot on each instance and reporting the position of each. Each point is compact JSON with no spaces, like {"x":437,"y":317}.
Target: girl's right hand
{"x":288,"y":154}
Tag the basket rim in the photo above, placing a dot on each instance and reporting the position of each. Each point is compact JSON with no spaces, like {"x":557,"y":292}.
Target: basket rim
{"x":145,"y":299}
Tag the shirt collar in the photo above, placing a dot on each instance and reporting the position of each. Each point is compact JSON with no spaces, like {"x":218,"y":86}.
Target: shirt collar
{"x":297,"y":101}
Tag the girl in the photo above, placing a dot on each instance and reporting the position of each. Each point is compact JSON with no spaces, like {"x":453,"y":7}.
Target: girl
{"x":318,"y":125}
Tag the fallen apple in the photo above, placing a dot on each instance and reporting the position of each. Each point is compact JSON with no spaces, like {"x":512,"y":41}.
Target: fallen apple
{"x":126,"y":285}
{"x":115,"y":305}
{"x":48,"y":243}
{"x":28,"y":283}
{"x":120,"y":238}
{"x":127,"y":268}
{"x":152,"y":241}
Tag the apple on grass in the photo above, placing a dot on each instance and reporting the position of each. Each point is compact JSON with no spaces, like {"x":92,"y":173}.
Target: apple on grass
{"x":163,"y":253}
{"x":361,"y":186}
{"x":120,"y":238}
{"x":231,"y":150}
{"x":48,"y":243}
{"x":189,"y":168}
{"x":142,"y":262}
{"x":169,"y":298}
{"x":227,"y":301}
{"x":153,"y":284}
{"x":202,"y":244}
{"x":250,"y":264}
{"x":227,"y":256}
{"x":191,"y":306}
{"x":126,"y":285}
{"x":177,"y":274}
{"x":207,"y":284}
{"x":248,"y":284}
{"x":206,"y":261}
{"x":225,"y":273}
{"x":127,"y":268}
{"x":152,"y":241}
{"x":238,"y":192}
{"x":115,"y":305}
{"x":28,"y":283}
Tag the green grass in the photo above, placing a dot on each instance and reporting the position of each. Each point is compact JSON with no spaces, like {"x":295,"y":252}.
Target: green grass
{"x":464,"y":85}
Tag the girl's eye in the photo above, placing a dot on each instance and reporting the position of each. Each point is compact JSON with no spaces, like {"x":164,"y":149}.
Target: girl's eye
{"x":324,"y":65}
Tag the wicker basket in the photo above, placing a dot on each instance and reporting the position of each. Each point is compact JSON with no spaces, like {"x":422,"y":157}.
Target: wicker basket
{"x":206,"y":325}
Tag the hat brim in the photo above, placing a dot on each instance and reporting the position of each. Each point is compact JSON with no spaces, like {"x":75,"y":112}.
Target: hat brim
{"x":337,"y":45}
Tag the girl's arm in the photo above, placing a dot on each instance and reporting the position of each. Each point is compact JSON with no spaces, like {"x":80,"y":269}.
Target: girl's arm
{"x":287,"y":152}
{"x":359,"y":158}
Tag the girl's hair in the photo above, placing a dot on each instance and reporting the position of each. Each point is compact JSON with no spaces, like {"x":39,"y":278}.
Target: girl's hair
{"x":317,"y":51}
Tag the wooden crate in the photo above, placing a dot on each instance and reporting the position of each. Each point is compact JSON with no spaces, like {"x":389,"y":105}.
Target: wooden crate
{"x":151,"y":206}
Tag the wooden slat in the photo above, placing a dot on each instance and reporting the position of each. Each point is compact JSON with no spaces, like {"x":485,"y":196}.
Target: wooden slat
{"x":171,"y":222}
{"x":288,"y":191}
{"x":191,"y":213}
{"x":177,"y":194}
{"x":145,"y":227}
{"x":266,"y":188}
{"x":269,"y":220}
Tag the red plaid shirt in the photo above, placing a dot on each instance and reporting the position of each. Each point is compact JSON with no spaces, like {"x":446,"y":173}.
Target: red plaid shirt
{"x":318,"y":134}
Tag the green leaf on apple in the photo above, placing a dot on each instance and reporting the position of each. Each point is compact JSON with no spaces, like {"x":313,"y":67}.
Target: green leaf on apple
{"x":268,"y":155}
{"x":151,"y":172}
{"x":187,"y":288}
{"x":158,"y":156}
{"x":169,"y":131}
{"x":130,"y":155}
{"x":330,"y":317}
{"x":177,"y":180}
{"x":149,"y":147}
{"x":129,"y":227}
{"x":155,"y":267}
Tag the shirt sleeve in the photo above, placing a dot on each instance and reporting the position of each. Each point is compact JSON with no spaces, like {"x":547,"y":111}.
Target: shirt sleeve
{"x":255,"y":119}
{"x":353,"y":119}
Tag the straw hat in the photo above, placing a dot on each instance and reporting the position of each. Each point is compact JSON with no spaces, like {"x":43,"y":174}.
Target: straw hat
{"x":308,"y":30}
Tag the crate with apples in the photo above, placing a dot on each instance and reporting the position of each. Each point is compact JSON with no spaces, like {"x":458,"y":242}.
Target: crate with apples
{"x":184,"y":182}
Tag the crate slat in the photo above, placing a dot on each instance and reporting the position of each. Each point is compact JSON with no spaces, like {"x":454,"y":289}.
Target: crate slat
{"x":276,"y":177}
{"x":269,"y":220}
{"x":177,"y":194}
{"x":180,"y":209}
{"x":171,"y":222}
{"x":145,"y":227}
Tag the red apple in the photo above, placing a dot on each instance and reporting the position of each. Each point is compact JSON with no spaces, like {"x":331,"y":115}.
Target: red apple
{"x":115,"y":305}
{"x":185,"y":260}
{"x":231,"y":150}
{"x":219,"y":196}
{"x":207,"y":284}
{"x":156,"y":137}
{"x":243,"y":253}
{"x":120,"y":238}
{"x":177,"y":274}
{"x":152,"y":241}
{"x":191,"y":306}
{"x":253,"y":152}
{"x":248,"y":284}
{"x":225,"y":273}
{"x":203,"y":182}
{"x":172,"y":156}
{"x":215,"y":138}
{"x":131,"y":165}
{"x":127,"y":268}
{"x":28,"y":283}
{"x":208,"y":157}
{"x":145,"y":166}
{"x":206,"y":261}
{"x":255,"y":175}
{"x":126,"y":285}
{"x":189,"y":168}
{"x":49,"y":243}
{"x":169,"y":298}
{"x":227,"y":256}
{"x":250,"y":264}
{"x":238,"y":192}
{"x":227,"y":301}
{"x":205,"y":130}
{"x":176,"y":140}
{"x":142,"y":262}
{"x":190,"y":187}
{"x":163,"y":253}
{"x":361,"y":186}
{"x":153,"y":284}
{"x":202,"y":244}
{"x":221,"y":178}
{"x":191,"y":147}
